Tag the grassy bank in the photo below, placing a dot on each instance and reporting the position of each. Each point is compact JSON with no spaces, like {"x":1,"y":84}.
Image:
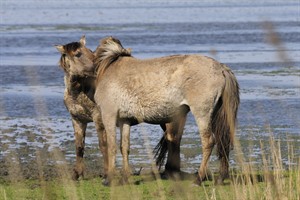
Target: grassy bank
{"x":270,"y":185}
{"x":271,"y":180}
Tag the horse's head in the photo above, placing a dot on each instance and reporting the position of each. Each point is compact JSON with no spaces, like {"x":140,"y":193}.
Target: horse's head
{"x":76,"y":59}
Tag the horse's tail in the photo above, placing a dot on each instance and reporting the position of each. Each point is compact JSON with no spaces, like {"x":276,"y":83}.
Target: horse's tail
{"x":225,"y":114}
{"x":160,"y":151}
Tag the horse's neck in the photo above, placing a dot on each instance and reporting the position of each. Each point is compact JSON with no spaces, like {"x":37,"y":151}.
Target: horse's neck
{"x":80,"y":86}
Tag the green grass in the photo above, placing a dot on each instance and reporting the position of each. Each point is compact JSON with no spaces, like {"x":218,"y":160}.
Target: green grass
{"x":93,"y":189}
{"x":271,"y":185}
{"x":271,"y":180}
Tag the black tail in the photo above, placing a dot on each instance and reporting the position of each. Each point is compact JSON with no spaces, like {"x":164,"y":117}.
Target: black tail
{"x":160,"y":152}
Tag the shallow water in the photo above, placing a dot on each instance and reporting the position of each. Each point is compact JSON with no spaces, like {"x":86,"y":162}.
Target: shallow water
{"x":233,"y":32}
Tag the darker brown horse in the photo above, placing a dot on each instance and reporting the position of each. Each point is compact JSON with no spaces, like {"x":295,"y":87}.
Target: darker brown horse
{"x":79,"y":100}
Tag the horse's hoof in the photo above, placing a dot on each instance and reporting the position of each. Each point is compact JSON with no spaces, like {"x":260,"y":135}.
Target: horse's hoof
{"x":75,"y":176}
{"x":219,"y":181}
{"x":171,"y":174}
{"x":198,"y":181}
{"x":137,"y":173}
{"x":164,"y":176}
{"x":106,"y":182}
{"x":103,"y":176}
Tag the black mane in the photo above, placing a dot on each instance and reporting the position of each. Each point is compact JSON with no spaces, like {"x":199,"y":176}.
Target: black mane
{"x":71,"y":47}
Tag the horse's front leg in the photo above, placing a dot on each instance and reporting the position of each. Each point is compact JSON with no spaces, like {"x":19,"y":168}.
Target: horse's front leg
{"x":102,"y":138}
{"x":124,"y":148}
{"x":79,"y":131}
{"x":110,"y":128}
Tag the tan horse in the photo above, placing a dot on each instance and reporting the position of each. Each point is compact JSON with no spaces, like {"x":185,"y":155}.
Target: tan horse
{"x":77,"y":62}
{"x":162,"y":90}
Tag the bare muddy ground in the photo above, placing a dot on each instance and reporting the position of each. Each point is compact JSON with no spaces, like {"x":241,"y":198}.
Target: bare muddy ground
{"x":26,"y":155}
{"x":40,"y":152}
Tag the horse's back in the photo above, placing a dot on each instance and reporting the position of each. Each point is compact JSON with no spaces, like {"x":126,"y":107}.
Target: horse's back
{"x":171,"y":74}
{"x":164,"y":70}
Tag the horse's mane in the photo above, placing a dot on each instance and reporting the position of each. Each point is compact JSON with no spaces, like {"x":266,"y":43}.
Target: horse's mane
{"x":69,"y":49}
{"x":109,"y":50}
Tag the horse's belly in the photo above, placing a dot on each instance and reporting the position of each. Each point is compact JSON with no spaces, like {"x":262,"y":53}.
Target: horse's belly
{"x":158,"y":120}
{"x":153,"y":115}
{"x":154,"y":105}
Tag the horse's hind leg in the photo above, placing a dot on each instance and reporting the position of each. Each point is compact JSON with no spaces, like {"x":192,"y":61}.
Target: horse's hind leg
{"x":79,"y":129}
{"x":208,"y":142}
{"x":224,"y":166}
{"x":173,"y":143}
{"x":173,"y":136}
{"x":223,"y":149}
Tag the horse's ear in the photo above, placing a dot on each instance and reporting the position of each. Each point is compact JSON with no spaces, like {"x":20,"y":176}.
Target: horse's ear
{"x":82,"y":40}
{"x":60,"y":48}
{"x":129,"y":50}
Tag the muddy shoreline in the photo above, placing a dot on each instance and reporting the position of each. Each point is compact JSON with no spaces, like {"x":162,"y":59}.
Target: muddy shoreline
{"x":32,"y":152}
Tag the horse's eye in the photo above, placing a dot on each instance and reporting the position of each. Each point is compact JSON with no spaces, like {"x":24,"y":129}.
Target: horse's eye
{"x":78,"y":54}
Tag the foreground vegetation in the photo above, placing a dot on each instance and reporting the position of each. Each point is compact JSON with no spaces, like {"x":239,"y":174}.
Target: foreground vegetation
{"x":271,"y":185}
{"x":272,"y":181}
